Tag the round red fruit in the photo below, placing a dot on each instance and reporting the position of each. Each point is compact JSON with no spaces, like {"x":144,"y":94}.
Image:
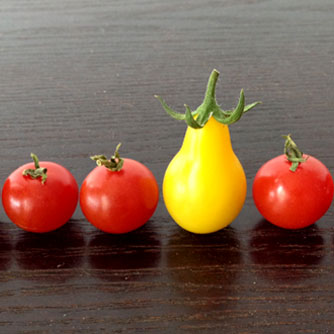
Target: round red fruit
{"x":119,"y":195}
{"x":293,"y":190}
{"x":40,"y":197}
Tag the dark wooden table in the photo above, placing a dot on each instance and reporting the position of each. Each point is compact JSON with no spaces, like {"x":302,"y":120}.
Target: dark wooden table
{"x":78,"y":76}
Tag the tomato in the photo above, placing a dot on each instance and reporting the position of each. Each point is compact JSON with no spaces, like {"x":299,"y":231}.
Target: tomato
{"x":204,"y":186}
{"x":293,"y":194}
{"x":40,"y":199}
{"x":119,"y":195}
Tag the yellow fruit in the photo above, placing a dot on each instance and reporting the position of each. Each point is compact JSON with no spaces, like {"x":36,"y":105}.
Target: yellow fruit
{"x":204,"y":186}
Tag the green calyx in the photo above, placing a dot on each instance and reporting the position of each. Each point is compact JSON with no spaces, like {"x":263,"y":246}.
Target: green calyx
{"x":114,"y":164}
{"x":209,"y":107}
{"x":292,"y":152}
{"x":38,"y":172}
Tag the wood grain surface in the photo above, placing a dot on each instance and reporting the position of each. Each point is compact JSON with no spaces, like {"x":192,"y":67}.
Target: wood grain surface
{"x":78,"y":76}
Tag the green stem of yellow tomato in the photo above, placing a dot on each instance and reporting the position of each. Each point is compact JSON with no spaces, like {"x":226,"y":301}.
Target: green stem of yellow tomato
{"x":209,"y":108}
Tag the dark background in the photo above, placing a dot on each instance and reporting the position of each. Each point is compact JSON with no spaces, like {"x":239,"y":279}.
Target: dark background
{"x":78,"y":76}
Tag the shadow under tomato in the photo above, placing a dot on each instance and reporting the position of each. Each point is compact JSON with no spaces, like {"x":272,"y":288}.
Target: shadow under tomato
{"x":5,"y":248}
{"x":286,"y":255}
{"x":204,"y":267}
{"x":51,"y":254}
{"x":116,"y":256}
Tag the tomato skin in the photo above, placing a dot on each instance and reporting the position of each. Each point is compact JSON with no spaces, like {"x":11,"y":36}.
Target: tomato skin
{"x":293,"y":200}
{"x":38,"y":207}
{"x":119,"y":201}
{"x":204,"y":186}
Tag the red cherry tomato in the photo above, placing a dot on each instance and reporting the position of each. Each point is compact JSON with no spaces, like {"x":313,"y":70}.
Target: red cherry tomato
{"x":119,"y":199}
{"x":293,"y":199}
{"x":40,"y":203}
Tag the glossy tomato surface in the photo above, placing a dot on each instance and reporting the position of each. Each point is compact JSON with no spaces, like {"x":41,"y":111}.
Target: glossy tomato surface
{"x":119,"y":201}
{"x":40,"y":207}
{"x":205,"y":197}
{"x":290,"y":199}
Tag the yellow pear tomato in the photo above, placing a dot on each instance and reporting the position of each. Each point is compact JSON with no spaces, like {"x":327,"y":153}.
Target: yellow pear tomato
{"x":204,"y":186}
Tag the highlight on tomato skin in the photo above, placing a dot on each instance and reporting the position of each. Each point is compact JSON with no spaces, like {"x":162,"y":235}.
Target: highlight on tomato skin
{"x":119,"y":195}
{"x":40,"y":197}
{"x":293,"y":190}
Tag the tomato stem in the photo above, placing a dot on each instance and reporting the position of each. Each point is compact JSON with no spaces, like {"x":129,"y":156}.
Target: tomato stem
{"x":38,"y":171}
{"x":115,"y":163}
{"x":209,"y":108}
{"x":293,"y":153}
